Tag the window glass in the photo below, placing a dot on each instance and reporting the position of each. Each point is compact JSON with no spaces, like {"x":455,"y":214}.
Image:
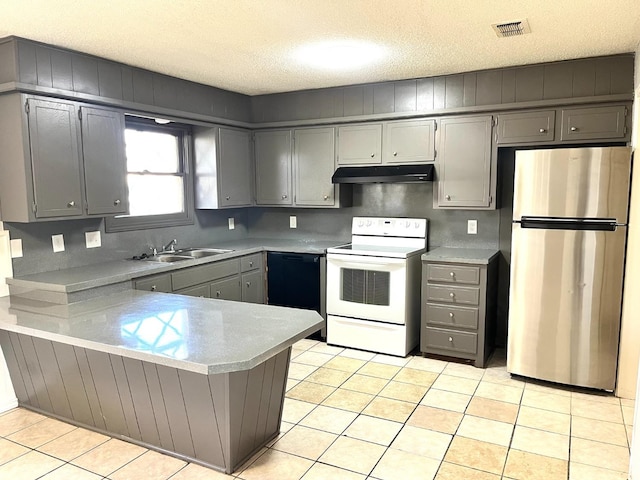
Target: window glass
{"x":151,"y":151}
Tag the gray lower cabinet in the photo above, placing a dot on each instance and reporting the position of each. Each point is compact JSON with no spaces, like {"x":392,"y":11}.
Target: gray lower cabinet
{"x":273,"y":167}
{"x":223,"y":167}
{"x":238,"y":279}
{"x":526,"y":127}
{"x":459,"y":309}
{"x":60,"y":159}
{"x":464,"y":170}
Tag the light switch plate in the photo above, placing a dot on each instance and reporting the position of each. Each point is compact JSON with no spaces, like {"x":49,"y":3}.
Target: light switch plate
{"x":472,"y":227}
{"x":293,"y":221}
{"x":58,"y":243}
{"x":92,"y":239}
{"x":16,"y":247}
{"x":232,"y":223}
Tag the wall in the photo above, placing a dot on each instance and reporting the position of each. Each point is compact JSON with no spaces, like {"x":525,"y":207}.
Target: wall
{"x":7,"y":395}
{"x":630,"y":333}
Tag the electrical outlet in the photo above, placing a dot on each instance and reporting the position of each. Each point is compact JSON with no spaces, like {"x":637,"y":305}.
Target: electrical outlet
{"x":472,"y":227}
{"x":16,"y":247}
{"x":58,"y":243}
{"x":232,"y":223}
{"x":293,"y":221}
{"x":92,"y":239}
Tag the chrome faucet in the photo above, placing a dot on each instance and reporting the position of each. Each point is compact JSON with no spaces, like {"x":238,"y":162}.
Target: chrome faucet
{"x":170,"y":247}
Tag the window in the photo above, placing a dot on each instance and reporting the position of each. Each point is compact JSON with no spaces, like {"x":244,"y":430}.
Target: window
{"x":158,"y":176}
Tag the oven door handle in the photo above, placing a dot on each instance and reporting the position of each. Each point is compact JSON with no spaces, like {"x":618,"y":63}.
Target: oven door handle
{"x":358,"y":261}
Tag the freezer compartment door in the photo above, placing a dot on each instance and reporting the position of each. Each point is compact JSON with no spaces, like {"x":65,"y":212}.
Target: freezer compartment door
{"x":572,"y":182}
{"x":564,"y":305}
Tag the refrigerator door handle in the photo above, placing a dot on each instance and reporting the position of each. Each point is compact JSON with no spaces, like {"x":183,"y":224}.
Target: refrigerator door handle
{"x":568,"y":223}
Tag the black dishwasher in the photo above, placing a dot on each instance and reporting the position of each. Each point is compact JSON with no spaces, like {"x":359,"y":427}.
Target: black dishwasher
{"x":293,"y":280}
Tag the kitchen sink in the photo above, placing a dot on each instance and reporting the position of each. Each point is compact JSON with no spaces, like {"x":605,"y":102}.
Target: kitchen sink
{"x":201,"y":252}
{"x":168,"y":257}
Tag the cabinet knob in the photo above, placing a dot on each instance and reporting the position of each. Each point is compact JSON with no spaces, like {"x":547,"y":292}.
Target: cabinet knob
{"x":228,"y":198}
{"x":116,"y":202}
{"x":542,"y":130}
{"x":251,"y":264}
{"x":452,"y":274}
{"x":373,"y":155}
{"x":326,"y":197}
{"x":452,"y":295}
{"x":248,"y":284}
{"x":451,"y":315}
{"x":71,"y":204}
{"x":218,"y":293}
{"x":284,"y":197}
{"x":448,"y":197}
{"x":153,"y":288}
{"x":574,"y":129}
{"x":395,"y":154}
{"x":450,"y":339}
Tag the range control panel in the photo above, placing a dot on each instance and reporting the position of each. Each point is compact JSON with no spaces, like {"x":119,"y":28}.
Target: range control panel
{"x":389,"y":227}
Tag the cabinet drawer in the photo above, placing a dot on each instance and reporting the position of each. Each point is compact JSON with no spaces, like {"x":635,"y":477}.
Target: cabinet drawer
{"x":462,"y":295}
{"x":593,"y":123}
{"x":197,"y":291}
{"x":154,"y":283}
{"x":204,"y":273}
{"x":251,"y":262}
{"x":227,"y":289}
{"x":528,"y":127}
{"x":451,"y":316}
{"x":441,"y":339}
{"x":453,"y":274}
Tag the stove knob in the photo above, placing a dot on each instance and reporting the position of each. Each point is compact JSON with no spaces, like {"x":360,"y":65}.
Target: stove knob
{"x":408,"y":223}
{"x":369,"y":223}
{"x":360,"y":223}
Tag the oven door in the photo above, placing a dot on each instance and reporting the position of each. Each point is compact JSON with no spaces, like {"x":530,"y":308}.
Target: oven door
{"x":370,"y":288}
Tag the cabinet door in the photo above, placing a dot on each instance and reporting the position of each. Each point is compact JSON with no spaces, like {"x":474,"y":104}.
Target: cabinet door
{"x":227,"y":289}
{"x":253,"y":287}
{"x":55,"y":158}
{"x":105,"y":162}
{"x":360,"y":144}
{"x":273,"y":167}
{"x":528,"y":127}
{"x":409,"y":142}
{"x":201,"y":291}
{"x":594,"y":123}
{"x":314,"y":164}
{"x":464,"y":165}
{"x":234,"y":175}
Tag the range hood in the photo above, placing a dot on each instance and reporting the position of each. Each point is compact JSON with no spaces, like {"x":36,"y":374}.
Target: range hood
{"x":384,"y":174}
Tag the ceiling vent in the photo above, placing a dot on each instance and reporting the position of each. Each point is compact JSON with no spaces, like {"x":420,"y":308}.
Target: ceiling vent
{"x":512,"y":29}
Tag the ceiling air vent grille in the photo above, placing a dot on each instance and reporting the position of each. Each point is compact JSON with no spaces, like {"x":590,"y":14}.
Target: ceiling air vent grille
{"x":511,"y":29}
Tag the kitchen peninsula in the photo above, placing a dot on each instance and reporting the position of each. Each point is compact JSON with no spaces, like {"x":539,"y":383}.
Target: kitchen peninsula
{"x":201,"y":379}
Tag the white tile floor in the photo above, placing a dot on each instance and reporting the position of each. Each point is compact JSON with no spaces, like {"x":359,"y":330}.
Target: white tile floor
{"x":356,"y":415}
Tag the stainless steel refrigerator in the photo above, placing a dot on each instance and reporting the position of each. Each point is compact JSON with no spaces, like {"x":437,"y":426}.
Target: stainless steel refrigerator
{"x":567,"y":262}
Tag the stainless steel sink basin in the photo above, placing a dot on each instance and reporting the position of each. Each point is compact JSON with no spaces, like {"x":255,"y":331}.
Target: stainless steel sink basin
{"x":168,"y":257}
{"x":201,"y":252}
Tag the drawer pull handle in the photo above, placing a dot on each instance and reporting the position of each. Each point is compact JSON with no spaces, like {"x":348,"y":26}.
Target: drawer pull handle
{"x":248,"y":284}
{"x":153,"y":288}
{"x":251,"y":264}
{"x":451,"y":315}
{"x":218,"y":293}
{"x":452,"y":295}
{"x":453,"y":275}
{"x":450,"y":339}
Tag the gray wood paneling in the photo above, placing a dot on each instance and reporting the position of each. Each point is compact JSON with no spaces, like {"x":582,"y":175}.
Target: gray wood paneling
{"x":529,"y":83}
{"x":353,"y":101}
{"x":159,"y":409}
{"x":8,"y":62}
{"x":176,"y":412}
{"x":107,"y":390}
{"x":584,"y":78}
{"x":558,"y":80}
{"x":27,"y":72}
{"x":202,"y":416}
{"x":24,"y":371}
{"x":90,"y":388}
{"x":469,"y":89}
{"x":61,"y":70}
{"x":251,"y":410}
{"x":237,"y":393}
{"x":439,"y":93}
{"x":142,"y":87}
{"x":220,"y":388}
{"x":43,"y":66}
{"x":52,"y":377}
{"x":621,"y":72}
{"x":383,"y":101}
{"x":110,"y":80}
{"x":33,"y":368}
{"x":489,"y":87}
{"x":277,"y":390}
{"x":12,"y":365}
{"x":424,"y":93}
{"x":454,"y":91}
{"x":405,"y":96}
{"x":73,"y":385}
{"x":126,"y":400}
{"x":603,"y":77}
{"x":141,"y":401}
{"x":263,"y":407}
{"x":165,"y":91}
{"x":85,"y":74}
{"x":509,"y":86}
{"x":126,"y":73}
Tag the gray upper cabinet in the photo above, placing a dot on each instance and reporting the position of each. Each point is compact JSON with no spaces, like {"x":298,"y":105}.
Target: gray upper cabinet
{"x":314,"y":164}
{"x":360,"y":144}
{"x":55,"y":165}
{"x":105,"y":162}
{"x":273,"y":167}
{"x":55,"y":158}
{"x":594,"y":123}
{"x":526,"y":127}
{"x":223,"y":167}
{"x":409,"y":142}
{"x":464,"y":170}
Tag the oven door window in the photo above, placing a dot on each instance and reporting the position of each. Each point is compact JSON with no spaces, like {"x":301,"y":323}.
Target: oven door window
{"x":368,"y":287}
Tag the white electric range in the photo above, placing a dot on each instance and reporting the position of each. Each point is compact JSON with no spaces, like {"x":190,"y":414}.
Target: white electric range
{"x":373,"y":285}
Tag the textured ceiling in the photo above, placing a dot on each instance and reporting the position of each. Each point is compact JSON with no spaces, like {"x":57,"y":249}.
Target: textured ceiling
{"x":247,"y":46}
